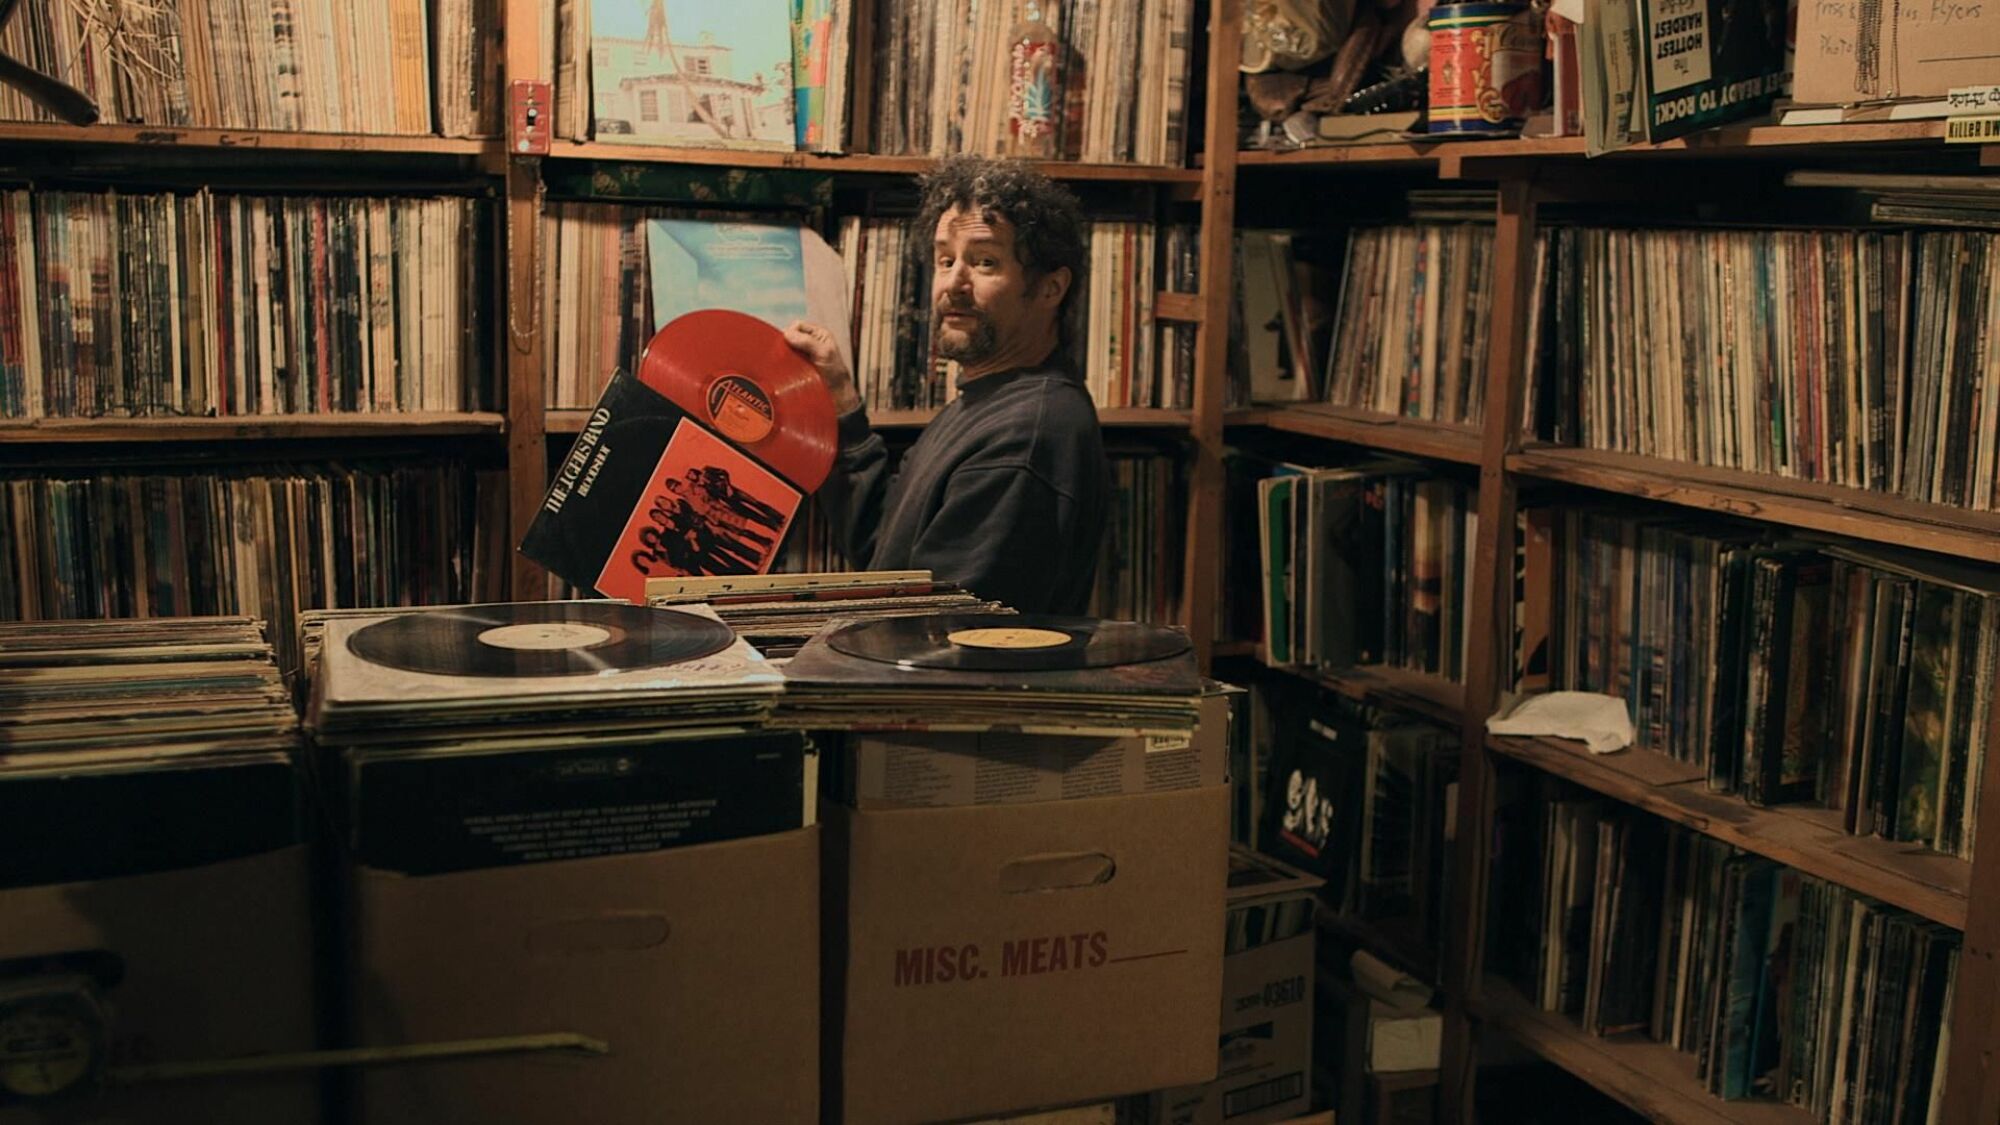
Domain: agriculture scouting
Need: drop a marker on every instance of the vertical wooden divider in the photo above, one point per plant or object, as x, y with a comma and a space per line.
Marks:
1491, 639
1972, 1073
1203, 573
526, 408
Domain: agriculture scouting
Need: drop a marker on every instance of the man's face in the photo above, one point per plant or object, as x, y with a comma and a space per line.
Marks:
979, 290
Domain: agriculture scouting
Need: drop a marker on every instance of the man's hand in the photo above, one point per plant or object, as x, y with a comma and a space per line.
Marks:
817, 346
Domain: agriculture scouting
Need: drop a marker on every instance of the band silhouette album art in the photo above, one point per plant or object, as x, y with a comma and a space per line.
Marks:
695, 467
709, 510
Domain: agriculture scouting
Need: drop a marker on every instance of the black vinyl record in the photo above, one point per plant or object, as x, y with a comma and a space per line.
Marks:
999, 642
539, 640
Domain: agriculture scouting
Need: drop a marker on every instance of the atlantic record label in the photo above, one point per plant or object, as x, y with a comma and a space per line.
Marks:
736, 375
990, 642
538, 640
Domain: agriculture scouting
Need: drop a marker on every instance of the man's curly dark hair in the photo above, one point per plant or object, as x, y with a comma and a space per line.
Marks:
1047, 219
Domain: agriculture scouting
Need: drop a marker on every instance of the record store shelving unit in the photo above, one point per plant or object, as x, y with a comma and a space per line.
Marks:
1650, 1078
1528, 174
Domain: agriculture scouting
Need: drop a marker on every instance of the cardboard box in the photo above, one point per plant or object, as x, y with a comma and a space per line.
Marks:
933, 770
214, 960
1263, 1074
1851, 52
698, 965
1000, 957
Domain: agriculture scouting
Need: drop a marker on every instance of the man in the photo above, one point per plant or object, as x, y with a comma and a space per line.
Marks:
1005, 491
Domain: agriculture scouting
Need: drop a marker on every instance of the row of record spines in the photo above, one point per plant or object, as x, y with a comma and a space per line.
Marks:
1396, 546
267, 542
1413, 317
1356, 795
1862, 358
329, 66
1127, 356
598, 307
943, 84
1139, 572
1787, 671
1781, 985
208, 303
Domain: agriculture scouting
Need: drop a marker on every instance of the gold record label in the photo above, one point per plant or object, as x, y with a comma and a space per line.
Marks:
1008, 638
550, 636
42, 1052
740, 409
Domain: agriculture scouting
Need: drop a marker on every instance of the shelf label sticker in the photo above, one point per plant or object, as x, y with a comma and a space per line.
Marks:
1972, 130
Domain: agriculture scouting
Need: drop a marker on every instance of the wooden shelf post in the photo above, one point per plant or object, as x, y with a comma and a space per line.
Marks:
527, 408
1490, 641
1203, 572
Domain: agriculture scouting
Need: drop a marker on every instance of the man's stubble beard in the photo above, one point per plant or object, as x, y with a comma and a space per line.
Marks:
979, 344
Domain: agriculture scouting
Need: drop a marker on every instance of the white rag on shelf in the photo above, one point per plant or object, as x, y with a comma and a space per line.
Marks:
1600, 722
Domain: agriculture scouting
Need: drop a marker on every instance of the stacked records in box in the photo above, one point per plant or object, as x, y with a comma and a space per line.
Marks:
976, 672
468, 737
533, 669
141, 745
778, 613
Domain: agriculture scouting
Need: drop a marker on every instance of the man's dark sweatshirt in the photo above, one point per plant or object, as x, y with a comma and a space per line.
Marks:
1003, 494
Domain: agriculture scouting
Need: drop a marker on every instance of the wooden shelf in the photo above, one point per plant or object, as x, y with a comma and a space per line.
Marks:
1112, 417
1736, 141
179, 137
272, 426
571, 421
1437, 699
1411, 436
1397, 942
849, 164
1871, 516
1651, 1078
1434, 698
1808, 838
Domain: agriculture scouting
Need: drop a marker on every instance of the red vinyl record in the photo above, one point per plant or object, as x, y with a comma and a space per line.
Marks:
737, 376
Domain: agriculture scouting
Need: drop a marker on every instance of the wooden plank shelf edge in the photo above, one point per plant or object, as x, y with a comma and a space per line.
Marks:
1432, 697
1116, 417
180, 136
1435, 440
299, 426
1871, 516
1650, 1078
850, 164
1736, 141
1808, 838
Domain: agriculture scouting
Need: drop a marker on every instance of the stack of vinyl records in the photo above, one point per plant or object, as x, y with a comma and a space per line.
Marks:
108, 727
460, 738
778, 613
980, 672
530, 670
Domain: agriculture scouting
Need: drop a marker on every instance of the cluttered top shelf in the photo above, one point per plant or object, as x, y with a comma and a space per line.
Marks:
1733, 141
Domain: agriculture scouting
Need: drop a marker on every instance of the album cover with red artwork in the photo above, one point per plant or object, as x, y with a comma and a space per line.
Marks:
648, 492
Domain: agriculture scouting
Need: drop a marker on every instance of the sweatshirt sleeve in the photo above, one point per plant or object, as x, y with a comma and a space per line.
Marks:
857, 489
997, 533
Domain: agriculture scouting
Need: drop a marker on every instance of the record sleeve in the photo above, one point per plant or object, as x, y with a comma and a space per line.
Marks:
349, 679
426, 814
1007, 642
822, 664
646, 492
548, 639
